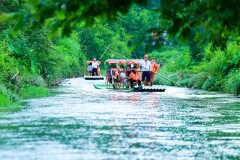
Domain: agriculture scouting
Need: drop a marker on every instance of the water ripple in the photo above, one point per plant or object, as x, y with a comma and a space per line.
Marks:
85, 123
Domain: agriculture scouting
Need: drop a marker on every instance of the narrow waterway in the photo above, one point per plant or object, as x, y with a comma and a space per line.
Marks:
85, 123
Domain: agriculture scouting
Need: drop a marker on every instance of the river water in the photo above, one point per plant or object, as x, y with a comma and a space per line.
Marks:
85, 123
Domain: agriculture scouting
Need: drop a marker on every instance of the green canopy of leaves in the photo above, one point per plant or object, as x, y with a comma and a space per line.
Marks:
219, 18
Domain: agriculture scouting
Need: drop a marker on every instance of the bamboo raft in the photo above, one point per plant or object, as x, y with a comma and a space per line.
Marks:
93, 77
154, 88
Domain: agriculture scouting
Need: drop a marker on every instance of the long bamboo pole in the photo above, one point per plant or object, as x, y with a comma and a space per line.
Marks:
105, 51
142, 66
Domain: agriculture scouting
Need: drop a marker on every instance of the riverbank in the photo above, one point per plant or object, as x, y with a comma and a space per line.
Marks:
217, 71
26, 93
26, 71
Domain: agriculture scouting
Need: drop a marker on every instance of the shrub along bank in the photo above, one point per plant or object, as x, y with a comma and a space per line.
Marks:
217, 71
31, 61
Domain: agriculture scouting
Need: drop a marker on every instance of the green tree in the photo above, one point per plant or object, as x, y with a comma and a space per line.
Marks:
94, 41
137, 24
220, 19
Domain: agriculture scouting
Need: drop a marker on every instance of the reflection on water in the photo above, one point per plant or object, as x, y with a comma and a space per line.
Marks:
86, 123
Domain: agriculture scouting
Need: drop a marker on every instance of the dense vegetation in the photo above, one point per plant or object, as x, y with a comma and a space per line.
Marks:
217, 71
41, 44
30, 59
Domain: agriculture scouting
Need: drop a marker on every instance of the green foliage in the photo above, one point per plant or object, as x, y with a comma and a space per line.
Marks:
177, 63
217, 65
219, 70
65, 59
95, 40
32, 80
232, 82
218, 18
8, 65
137, 23
9, 94
10, 6
4, 101
30, 58
174, 59
66, 14
34, 92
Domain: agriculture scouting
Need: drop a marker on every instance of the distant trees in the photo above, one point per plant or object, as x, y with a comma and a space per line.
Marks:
218, 18
138, 23
94, 40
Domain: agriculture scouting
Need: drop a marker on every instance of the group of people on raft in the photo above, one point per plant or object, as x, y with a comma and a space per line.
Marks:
140, 74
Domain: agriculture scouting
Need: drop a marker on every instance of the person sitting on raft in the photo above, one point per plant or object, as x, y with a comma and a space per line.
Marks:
127, 75
134, 77
111, 74
123, 76
153, 70
89, 69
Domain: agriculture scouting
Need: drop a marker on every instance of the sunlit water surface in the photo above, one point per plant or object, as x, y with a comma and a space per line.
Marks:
85, 123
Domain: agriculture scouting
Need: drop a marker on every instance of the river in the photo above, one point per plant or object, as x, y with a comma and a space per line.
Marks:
82, 122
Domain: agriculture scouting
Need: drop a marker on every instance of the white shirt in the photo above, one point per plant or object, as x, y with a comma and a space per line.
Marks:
146, 65
95, 64
123, 75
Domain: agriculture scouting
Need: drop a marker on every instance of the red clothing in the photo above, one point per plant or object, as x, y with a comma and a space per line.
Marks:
134, 76
154, 68
152, 76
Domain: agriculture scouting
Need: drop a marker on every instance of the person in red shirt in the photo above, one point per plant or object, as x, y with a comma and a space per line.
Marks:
153, 70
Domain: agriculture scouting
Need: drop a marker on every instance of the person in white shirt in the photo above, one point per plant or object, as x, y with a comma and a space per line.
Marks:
146, 66
95, 65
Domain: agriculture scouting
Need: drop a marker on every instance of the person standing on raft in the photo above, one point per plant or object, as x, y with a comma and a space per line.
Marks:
153, 70
95, 66
146, 66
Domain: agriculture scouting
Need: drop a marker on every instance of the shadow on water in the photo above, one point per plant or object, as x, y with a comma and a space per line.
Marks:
85, 123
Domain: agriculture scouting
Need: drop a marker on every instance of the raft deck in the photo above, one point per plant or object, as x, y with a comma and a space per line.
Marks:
154, 88
94, 77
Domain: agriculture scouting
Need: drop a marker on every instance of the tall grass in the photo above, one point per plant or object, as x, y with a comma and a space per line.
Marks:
218, 71
4, 101
232, 82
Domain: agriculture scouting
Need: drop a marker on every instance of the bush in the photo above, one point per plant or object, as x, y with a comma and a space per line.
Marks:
175, 59
8, 93
4, 101
232, 82
32, 80
65, 60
